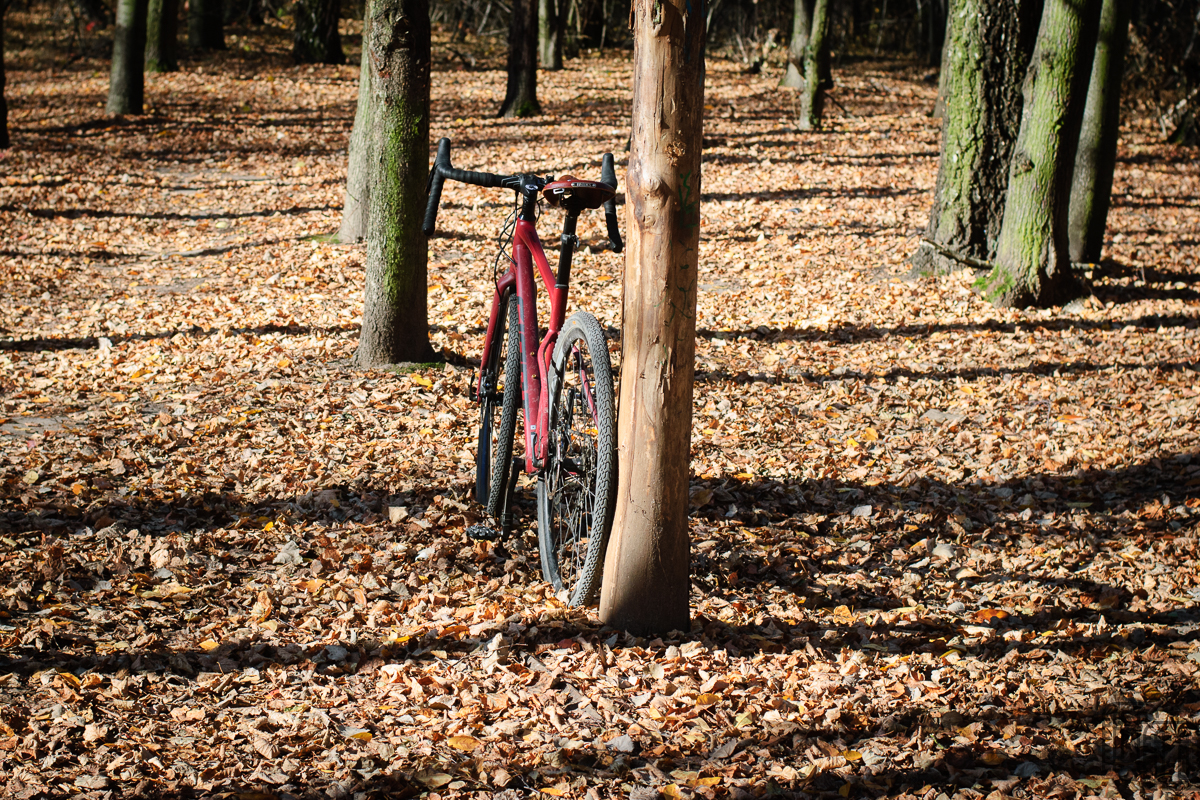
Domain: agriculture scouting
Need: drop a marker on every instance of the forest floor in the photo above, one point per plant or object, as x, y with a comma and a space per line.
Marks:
939, 549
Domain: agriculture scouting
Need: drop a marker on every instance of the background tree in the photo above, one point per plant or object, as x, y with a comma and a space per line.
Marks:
395, 326
816, 53
646, 582
126, 82
162, 32
520, 97
206, 25
316, 39
1032, 265
988, 47
358, 168
793, 77
552, 19
4, 140
1096, 157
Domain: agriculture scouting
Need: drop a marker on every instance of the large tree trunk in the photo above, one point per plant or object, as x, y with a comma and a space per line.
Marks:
520, 98
358, 168
162, 31
5, 142
987, 51
645, 587
816, 53
395, 325
1033, 265
793, 78
206, 25
315, 39
126, 81
1091, 182
551, 27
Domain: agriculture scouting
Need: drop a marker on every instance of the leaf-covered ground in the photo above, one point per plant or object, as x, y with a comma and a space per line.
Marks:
938, 549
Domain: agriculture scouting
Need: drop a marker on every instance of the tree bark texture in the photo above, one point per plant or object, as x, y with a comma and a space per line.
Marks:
551, 27
816, 51
645, 587
162, 32
793, 78
520, 98
1033, 265
126, 82
358, 169
395, 326
315, 39
1096, 156
5, 141
988, 47
206, 25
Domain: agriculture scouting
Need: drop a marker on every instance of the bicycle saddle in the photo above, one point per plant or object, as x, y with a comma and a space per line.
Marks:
575, 195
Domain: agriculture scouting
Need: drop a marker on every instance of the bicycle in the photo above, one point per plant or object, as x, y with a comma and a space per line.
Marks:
563, 382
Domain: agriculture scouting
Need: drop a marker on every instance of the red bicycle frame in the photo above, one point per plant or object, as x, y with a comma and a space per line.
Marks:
519, 282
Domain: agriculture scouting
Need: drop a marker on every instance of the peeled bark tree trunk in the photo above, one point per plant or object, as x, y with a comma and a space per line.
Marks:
988, 47
1033, 265
816, 52
793, 78
551, 27
395, 325
5, 142
126, 82
1096, 157
520, 98
316, 39
162, 30
646, 584
358, 169
206, 25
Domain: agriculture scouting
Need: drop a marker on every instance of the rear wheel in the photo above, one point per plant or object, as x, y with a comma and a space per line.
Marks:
577, 487
500, 397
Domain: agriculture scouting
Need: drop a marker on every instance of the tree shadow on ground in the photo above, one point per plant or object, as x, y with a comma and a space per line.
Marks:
93, 342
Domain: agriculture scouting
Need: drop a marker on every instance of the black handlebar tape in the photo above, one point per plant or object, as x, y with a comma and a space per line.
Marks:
436, 179
486, 179
608, 175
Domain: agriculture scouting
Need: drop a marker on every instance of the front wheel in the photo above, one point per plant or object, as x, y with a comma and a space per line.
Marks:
577, 487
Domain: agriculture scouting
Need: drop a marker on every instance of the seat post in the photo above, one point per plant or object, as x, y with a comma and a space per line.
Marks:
566, 249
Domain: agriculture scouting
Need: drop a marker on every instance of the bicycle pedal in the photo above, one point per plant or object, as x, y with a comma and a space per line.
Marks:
483, 532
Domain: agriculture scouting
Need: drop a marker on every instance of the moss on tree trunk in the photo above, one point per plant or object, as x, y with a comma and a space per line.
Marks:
987, 50
1096, 157
162, 31
645, 587
520, 96
816, 51
126, 83
395, 325
358, 168
315, 37
1032, 265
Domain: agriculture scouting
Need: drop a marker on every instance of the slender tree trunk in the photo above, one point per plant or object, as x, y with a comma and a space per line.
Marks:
126, 82
316, 39
816, 52
395, 325
646, 583
206, 25
551, 20
520, 98
937, 32
1033, 265
801, 23
358, 170
162, 32
1091, 182
987, 52
5, 142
